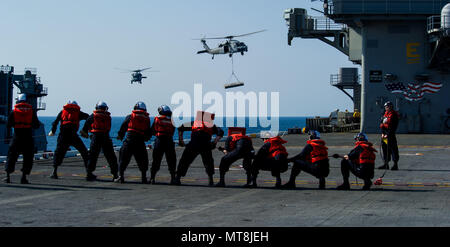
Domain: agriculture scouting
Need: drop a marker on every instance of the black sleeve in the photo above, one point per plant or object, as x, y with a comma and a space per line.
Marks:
183, 127
152, 129
55, 123
227, 143
10, 123
305, 152
263, 151
35, 122
354, 154
88, 124
148, 132
83, 116
124, 127
218, 131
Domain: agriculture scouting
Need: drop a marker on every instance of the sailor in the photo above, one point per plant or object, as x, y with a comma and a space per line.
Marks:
70, 118
388, 127
272, 156
203, 128
237, 146
163, 129
23, 119
137, 127
360, 161
99, 125
313, 160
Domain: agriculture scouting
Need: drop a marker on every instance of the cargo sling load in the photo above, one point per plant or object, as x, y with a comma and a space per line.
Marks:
403, 48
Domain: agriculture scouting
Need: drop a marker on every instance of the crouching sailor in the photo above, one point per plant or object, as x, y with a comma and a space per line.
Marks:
237, 146
360, 161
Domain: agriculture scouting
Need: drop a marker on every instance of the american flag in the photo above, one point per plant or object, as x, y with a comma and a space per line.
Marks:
414, 92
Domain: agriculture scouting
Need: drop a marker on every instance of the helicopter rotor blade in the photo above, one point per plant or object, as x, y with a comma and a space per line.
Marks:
140, 70
233, 36
250, 33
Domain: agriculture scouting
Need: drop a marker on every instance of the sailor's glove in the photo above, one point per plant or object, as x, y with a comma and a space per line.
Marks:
51, 133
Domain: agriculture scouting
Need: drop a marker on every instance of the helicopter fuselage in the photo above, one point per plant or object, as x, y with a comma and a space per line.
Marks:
228, 47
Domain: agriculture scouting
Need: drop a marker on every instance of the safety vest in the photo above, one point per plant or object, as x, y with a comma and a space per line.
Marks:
200, 126
387, 119
163, 126
139, 121
102, 122
235, 138
23, 115
367, 156
71, 115
276, 146
319, 151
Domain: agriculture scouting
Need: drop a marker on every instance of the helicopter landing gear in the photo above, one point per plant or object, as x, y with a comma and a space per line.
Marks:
212, 57
242, 53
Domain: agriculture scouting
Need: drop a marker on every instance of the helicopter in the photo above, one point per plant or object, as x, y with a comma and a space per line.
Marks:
136, 75
230, 46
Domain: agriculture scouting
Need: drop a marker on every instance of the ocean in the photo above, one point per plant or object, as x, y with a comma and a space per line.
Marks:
284, 123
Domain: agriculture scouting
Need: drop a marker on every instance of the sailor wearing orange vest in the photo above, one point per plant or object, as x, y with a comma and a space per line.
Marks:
163, 131
272, 156
360, 161
99, 125
23, 119
388, 127
237, 146
70, 118
313, 160
137, 127
203, 128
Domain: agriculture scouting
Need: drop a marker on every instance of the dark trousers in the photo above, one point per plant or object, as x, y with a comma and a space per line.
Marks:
18, 145
99, 142
164, 145
133, 146
192, 150
319, 169
390, 149
276, 165
233, 156
364, 171
65, 140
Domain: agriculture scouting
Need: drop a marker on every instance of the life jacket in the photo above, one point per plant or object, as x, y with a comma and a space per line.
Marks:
163, 126
235, 138
102, 122
139, 121
276, 146
70, 115
319, 151
387, 119
367, 156
23, 115
201, 126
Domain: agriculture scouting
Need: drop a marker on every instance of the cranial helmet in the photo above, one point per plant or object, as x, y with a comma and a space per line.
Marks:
101, 105
140, 106
73, 102
164, 110
314, 134
388, 103
361, 137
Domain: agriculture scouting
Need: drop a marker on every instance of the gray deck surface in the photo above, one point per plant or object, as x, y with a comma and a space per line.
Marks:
416, 195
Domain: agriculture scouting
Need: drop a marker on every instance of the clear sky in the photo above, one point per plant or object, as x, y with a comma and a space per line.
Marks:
75, 46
